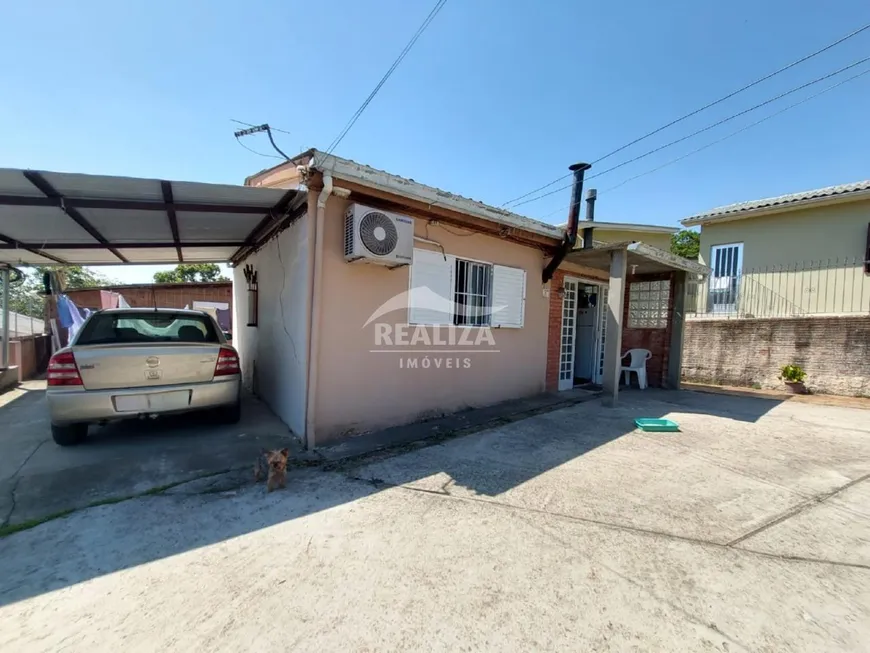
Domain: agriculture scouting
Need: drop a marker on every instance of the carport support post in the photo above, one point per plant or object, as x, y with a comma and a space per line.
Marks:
678, 322
4, 354
613, 342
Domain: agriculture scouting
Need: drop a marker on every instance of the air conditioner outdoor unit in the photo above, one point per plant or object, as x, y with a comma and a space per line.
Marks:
375, 236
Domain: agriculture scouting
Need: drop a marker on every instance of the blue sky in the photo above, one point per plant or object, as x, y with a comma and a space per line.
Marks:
497, 97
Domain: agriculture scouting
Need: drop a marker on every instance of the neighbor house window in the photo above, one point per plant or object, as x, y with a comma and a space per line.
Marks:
648, 304
472, 292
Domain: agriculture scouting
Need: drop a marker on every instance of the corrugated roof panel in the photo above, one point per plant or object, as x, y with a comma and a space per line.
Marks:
216, 226
12, 182
151, 255
196, 193
72, 184
208, 254
23, 257
39, 224
130, 226
86, 256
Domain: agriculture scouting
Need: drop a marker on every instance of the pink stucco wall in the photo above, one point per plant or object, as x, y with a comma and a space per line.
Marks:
358, 390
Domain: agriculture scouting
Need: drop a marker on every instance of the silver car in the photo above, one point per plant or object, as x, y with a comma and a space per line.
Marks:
137, 362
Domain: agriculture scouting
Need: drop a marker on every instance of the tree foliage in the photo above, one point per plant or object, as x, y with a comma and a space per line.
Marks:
686, 243
191, 273
26, 296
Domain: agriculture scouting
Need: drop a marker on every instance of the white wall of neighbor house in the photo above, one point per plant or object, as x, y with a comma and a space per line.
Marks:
274, 354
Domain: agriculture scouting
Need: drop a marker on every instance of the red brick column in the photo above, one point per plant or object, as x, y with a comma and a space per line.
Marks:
657, 341
554, 331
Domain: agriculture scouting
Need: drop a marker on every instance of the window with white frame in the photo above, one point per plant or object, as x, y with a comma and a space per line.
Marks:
648, 304
450, 290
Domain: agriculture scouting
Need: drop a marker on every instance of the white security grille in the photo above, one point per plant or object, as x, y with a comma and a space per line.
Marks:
725, 280
569, 322
473, 294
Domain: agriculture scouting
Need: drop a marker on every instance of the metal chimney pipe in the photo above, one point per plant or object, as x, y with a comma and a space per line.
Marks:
579, 169
591, 196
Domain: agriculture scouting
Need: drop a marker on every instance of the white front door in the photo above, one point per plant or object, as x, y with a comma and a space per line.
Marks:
568, 335
727, 264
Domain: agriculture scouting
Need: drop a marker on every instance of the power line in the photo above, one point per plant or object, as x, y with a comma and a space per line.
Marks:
739, 90
703, 108
270, 156
724, 138
438, 5
739, 131
702, 130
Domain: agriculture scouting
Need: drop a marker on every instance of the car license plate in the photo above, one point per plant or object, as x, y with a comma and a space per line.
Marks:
154, 402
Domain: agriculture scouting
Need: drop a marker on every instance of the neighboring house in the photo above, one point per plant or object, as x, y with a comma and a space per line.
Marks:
618, 232
337, 347
800, 254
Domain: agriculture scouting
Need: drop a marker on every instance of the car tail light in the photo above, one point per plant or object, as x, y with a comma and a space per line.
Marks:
62, 370
227, 362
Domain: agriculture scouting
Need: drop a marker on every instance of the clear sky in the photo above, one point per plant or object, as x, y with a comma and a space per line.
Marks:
496, 98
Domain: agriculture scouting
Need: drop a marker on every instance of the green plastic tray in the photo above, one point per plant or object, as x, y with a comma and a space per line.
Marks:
656, 424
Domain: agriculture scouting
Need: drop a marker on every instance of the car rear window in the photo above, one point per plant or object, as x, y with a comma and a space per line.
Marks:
145, 327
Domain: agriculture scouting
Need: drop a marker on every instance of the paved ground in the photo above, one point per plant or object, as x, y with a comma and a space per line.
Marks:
39, 478
747, 531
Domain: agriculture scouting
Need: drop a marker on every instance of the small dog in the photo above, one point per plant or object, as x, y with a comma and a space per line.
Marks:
271, 466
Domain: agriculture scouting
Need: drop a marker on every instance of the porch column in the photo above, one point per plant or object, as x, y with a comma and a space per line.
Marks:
613, 342
678, 321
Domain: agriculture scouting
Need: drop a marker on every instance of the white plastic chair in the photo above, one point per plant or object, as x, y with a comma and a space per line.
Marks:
639, 357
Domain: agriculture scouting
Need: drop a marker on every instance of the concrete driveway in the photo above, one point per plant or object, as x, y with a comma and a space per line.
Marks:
122, 459
747, 531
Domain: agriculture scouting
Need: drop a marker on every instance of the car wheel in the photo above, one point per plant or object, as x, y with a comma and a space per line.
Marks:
230, 414
69, 434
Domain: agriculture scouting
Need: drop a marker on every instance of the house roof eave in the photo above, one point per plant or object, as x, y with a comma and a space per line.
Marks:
782, 204
406, 188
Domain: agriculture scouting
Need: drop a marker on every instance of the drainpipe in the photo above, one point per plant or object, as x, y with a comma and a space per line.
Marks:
314, 323
591, 196
570, 238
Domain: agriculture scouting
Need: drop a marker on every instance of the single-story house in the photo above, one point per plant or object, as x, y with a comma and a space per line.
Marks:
803, 253
379, 300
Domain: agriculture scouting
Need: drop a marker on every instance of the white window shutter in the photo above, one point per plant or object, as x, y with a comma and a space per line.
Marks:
431, 297
508, 296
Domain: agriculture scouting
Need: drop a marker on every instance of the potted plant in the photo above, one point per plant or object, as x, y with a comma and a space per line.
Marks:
794, 376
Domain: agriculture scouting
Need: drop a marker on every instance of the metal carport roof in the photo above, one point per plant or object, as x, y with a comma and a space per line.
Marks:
69, 218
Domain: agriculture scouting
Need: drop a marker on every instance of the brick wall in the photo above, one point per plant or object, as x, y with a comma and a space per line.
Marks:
834, 351
658, 341
30, 354
162, 295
